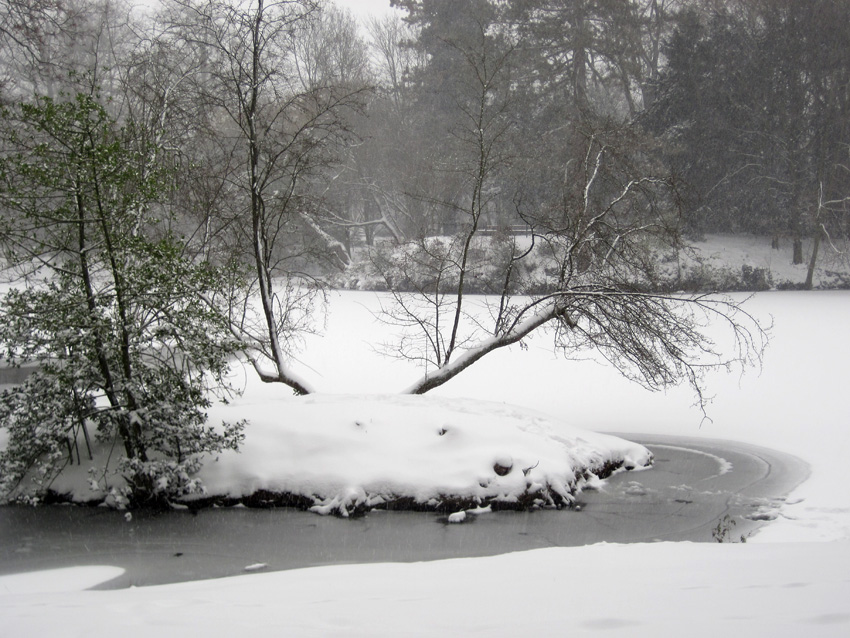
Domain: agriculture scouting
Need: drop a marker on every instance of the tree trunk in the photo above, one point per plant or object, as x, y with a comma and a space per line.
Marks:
798, 251
449, 370
810, 275
133, 446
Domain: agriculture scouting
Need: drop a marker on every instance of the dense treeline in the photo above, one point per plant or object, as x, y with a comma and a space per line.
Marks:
350, 130
752, 108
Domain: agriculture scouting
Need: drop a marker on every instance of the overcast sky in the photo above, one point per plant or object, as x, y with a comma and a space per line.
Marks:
365, 7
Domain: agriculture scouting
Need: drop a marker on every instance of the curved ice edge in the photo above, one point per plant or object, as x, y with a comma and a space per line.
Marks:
724, 465
51, 581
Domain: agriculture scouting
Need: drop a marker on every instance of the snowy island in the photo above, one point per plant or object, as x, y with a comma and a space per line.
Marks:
343, 455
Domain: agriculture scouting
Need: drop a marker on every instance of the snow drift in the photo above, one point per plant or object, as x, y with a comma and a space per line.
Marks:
338, 454
343, 454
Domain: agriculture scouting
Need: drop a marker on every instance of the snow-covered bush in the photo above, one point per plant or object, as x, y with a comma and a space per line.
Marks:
108, 305
42, 422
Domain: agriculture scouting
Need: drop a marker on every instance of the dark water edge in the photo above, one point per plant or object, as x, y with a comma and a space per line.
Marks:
682, 498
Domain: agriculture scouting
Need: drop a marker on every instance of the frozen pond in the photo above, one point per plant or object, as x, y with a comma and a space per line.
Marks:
694, 484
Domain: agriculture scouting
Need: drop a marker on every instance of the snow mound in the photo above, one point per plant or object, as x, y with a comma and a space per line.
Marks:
339, 454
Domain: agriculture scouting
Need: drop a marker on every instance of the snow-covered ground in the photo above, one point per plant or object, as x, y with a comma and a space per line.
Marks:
349, 452
726, 255
666, 589
793, 577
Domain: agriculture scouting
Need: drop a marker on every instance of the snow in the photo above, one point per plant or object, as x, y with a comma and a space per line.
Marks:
255, 567
665, 589
346, 453
57, 580
792, 578
730, 253
724, 466
457, 517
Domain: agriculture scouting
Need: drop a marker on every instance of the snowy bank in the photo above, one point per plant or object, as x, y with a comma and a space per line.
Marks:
702, 590
340, 454
349, 453
784, 582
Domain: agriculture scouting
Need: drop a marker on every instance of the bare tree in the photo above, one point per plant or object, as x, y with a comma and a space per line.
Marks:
396, 62
371, 184
51, 47
334, 51
283, 119
605, 241
597, 211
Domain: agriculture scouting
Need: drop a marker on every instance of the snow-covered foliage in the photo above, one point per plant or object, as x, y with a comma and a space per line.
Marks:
430, 264
108, 307
749, 263
711, 263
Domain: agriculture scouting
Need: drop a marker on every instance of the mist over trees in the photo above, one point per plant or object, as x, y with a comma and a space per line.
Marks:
361, 129
549, 154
